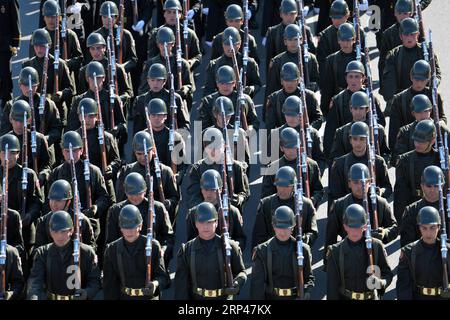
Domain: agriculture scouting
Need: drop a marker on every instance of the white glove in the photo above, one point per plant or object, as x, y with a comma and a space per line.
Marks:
263, 41
139, 26
363, 6
249, 14
305, 11
76, 8
205, 11
316, 10
209, 43
190, 14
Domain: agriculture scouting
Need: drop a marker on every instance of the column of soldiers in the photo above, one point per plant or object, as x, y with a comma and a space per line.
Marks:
83, 218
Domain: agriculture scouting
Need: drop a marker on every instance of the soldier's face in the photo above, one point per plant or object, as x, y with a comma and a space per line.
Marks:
171, 16
292, 121
215, 155
418, 85
284, 193
131, 235
61, 238
358, 145
90, 119
400, 16
26, 90
235, 23
50, 22
76, 154
337, 22
17, 126
227, 49
57, 205
354, 81
156, 85
97, 51
209, 195
39, 50
346, 45
226, 89
157, 120
100, 81
282, 234
291, 44
423, 147
430, 192
354, 234
219, 120
289, 153
359, 114
288, 18
140, 157
290, 85
357, 188
429, 233
424, 115
12, 157
169, 48
409, 40
136, 199
206, 230
108, 22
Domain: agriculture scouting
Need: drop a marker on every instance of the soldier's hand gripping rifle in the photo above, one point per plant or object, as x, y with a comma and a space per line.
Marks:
43, 90
299, 221
227, 158
368, 233
119, 33
156, 161
186, 30
57, 54
443, 236
3, 226
302, 157
64, 29
151, 214
24, 165
304, 45
223, 216
86, 172
136, 15
112, 76
304, 118
100, 126
76, 223
357, 27
245, 48
33, 125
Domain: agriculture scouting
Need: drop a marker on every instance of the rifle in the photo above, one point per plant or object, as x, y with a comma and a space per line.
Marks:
443, 236
76, 222
56, 52
186, 30
24, 165
223, 216
119, 34
87, 174
3, 227
245, 49
178, 50
368, 232
155, 158
43, 90
101, 126
151, 213
373, 183
33, 126
135, 12
304, 118
64, 29
227, 159
356, 26
112, 75
305, 47
418, 17
302, 156
299, 220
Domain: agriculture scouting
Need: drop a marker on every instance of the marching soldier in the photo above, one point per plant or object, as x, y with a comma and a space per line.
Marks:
52, 125
338, 176
359, 108
288, 145
200, 262
420, 268
14, 281
215, 153
156, 81
9, 45
290, 80
401, 103
14, 236
126, 262
348, 262
209, 191
291, 33
60, 198
96, 45
410, 167
136, 189
253, 78
193, 56
274, 268
285, 181
399, 61
167, 191
40, 40
54, 266
166, 38
338, 112
410, 231
359, 183
273, 38
226, 87
234, 17
421, 110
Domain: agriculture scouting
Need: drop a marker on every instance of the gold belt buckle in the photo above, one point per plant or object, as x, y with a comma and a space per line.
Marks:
136, 292
210, 293
357, 296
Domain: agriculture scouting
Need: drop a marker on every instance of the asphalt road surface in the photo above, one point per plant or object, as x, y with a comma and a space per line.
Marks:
435, 17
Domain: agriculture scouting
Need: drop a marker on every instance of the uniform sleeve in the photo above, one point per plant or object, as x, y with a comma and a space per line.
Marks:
386, 272
15, 274
159, 272
164, 230
315, 184
182, 283
333, 277
102, 199
75, 53
401, 189
332, 228
35, 198
195, 54
257, 279
93, 283
130, 56
67, 83
338, 146
210, 84
404, 286
389, 223
260, 232
238, 233
383, 178
314, 113
253, 78
55, 124
310, 229
408, 227
15, 24
237, 265
395, 123
5, 125
308, 276
193, 189
111, 279
389, 77
205, 114
36, 280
